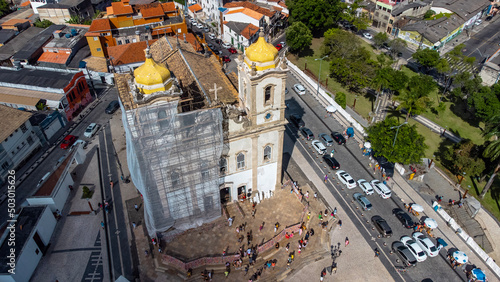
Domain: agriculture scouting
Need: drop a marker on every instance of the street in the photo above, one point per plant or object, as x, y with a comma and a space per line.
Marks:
357, 166
484, 43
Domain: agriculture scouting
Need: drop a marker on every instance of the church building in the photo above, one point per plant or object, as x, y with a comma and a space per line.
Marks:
198, 138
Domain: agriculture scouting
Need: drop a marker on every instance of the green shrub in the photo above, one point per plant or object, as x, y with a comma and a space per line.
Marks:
87, 193
340, 98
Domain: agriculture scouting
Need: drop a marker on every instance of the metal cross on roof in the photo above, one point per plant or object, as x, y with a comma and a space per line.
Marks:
215, 90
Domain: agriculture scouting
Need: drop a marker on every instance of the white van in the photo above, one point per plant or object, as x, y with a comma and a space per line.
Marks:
381, 189
319, 147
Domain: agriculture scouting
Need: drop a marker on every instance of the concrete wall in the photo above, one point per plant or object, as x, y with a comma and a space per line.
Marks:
273, 107
242, 18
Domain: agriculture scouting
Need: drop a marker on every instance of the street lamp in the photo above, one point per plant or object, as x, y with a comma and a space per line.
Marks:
397, 130
319, 75
461, 179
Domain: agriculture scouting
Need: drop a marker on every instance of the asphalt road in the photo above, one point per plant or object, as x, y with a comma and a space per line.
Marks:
484, 43
356, 165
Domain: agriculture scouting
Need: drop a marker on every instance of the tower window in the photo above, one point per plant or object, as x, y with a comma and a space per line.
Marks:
223, 166
240, 160
175, 178
267, 95
267, 153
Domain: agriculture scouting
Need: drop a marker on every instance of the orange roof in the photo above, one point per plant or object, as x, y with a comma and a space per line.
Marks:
169, 7
25, 4
282, 4
13, 22
57, 58
120, 9
92, 34
162, 31
249, 30
109, 10
195, 8
153, 10
248, 12
251, 6
279, 9
128, 53
100, 25
192, 39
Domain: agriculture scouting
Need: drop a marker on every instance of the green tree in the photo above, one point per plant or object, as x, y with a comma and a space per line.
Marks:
4, 7
340, 98
397, 46
464, 157
380, 38
409, 146
492, 151
351, 14
426, 57
339, 43
484, 103
43, 24
317, 15
415, 98
398, 81
429, 14
74, 20
443, 68
298, 37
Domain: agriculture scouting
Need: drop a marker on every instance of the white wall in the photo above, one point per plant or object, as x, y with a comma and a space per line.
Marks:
17, 139
54, 126
240, 17
276, 103
267, 179
237, 180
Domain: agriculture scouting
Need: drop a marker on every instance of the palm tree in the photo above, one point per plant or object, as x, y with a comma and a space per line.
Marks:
492, 151
413, 103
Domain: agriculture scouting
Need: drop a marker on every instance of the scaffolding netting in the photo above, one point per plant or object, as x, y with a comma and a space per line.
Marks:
173, 160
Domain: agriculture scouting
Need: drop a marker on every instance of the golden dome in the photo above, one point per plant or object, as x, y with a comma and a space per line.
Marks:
151, 77
262, 53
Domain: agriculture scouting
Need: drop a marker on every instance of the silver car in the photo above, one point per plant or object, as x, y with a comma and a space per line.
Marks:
363, 201
299, 89
326, 139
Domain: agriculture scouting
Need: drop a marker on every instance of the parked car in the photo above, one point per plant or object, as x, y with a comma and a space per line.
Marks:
363, 201
382, 226
206, 29
211, 36
199, 25
365, 186
338, 137
225, 59
331, 162
297, 121
218, 41
307, 133
68, 141
299, 89
478, 22
345, 178
403, 217
217, 51
112, 107
232, 50
43, 179
211, 46
414, 248
85, 143
386, 46
425, 244
226, 45
91, 130
326, 139
319, 147
404, 254
279, 47
367, 35
283, 44
385, 164
381, 189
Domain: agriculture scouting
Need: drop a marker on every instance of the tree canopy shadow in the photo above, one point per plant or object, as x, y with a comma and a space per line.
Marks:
459, 108
307, 52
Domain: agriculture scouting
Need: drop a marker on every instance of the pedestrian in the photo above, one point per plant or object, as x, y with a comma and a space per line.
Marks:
276, 226
377, 253
287, 247
320, 216
146, 253
307, 195
312, 232
246, 269
253, 213
136, 207
273, 263
450, 202
340, 224
335, 212
210, 274
315, 196
346, 241
326, 213
277, 245
307, 236
261, 227
134, 224
308, 215
460, 204
102, 224
111, 184
326, 178
331, 154
58, 212
159, 249
230, 220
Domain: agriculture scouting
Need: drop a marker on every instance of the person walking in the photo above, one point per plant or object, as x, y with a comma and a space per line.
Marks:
230, 221
136, 207
326, 178
261, 227
315, 196
134, 224
346, 241
377, 253
307, 195
340, 224
276, 226
320, 216
335, 212
102, 224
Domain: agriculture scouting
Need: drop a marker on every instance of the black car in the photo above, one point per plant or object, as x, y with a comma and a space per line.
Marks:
218, 41
338, 137
382, 226
307, 133
211, 46
297, 121
404, 254
403, 217
331, 162
385, 164
112, 107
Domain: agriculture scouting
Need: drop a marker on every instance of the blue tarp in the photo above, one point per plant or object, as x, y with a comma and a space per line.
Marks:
479, 274
350, 132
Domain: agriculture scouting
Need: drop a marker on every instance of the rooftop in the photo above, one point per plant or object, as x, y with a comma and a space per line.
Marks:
121, 9
14, 22
141, 2
63, 4
465, 9
40, 78
100, 25
249, 12
6, 35
17, 43
36, 43
237, 27
61, 41
435, 30
26, 222
397, 10
18, 100
195, 8
56, 58
26, 96
249, 31
11, 119
251, 6
128, 53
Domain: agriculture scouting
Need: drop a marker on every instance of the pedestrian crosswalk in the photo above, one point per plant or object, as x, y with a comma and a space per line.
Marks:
461, 66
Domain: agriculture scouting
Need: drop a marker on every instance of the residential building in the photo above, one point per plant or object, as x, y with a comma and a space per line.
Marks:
64, 91
242, 11
16, 44
33, 229
6, 35
196, 12
16, 24
127, 24
33, 48
18, 141
211, 12
490, 70
127, 57
198, 139
46, 125
60, 12
239, 34
59, 51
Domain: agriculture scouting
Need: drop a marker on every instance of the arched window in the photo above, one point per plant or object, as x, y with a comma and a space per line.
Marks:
175, 178
267, 153
240, 160
267, 95
223, 166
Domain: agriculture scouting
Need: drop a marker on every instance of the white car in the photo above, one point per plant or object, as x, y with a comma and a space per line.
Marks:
43, 179
426, 244
299, 89
345, 178
319, 147
91, 130
478, 22
365, 186
226, 45
211, 36
414, 248
367, 35
381, 189
199, 25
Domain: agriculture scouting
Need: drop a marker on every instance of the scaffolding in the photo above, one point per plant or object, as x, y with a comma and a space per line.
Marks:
174, 163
